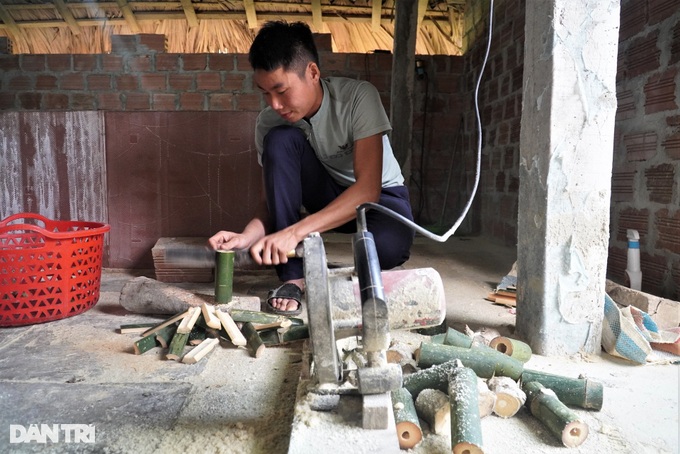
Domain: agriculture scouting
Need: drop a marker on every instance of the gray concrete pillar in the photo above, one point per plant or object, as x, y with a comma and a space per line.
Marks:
566, 142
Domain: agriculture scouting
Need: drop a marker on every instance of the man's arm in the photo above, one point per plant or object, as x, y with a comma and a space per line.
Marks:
368, 157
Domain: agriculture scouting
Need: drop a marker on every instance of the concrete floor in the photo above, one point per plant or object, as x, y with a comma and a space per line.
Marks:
81, 371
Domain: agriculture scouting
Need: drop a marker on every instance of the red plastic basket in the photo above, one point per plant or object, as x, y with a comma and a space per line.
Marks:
49, 269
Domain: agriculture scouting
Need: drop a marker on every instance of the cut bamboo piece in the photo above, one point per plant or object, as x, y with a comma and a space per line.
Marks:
512, 347
170, 321
435, 377
189, 320
406, 419
486, 362
557, 417
231, 329
264, 326
466, 426
255, 317
176, 349
164, 336
197, 335
224, 276
255, 344
198, 352
135, 328
433, 407
145, 344
487, 398
581, 392
509, 396
456, 338
208, 311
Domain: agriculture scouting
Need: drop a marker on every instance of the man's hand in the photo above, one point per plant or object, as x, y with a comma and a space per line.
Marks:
227, 241
274, 249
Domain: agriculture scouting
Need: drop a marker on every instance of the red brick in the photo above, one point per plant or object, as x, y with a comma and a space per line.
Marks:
654, 269
660, 10
126, 82
675, 45
72, 81
631, 218
137, 101
84, 62
20, 82
672, 146
192, 101
221, 62
139, 63
660, 92
164, 101
622, 185
7, 101
234, 82
59, 62
83, 101
194, 62
208, 81
641, 146
673, 120
45, 82
33, 62
660, 183
153, 82
9, 62
151, 42
55, 101
625, 104
249, 102
642, 55
167, 62
633, 18
220, 101
112, 62
181, 81
109, 101
30, 101
99, 82
242, 63
123, 44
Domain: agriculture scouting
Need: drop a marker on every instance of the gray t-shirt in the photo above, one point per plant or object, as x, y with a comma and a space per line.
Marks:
350, 110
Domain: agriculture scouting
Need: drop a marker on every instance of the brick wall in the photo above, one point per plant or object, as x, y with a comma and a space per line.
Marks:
646, 168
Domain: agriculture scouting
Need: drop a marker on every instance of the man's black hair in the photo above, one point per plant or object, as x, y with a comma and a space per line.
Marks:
280, 44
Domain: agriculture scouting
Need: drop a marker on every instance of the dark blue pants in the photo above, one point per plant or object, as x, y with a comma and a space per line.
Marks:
294, 177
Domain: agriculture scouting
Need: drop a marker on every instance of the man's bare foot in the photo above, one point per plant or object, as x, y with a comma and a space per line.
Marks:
288, 304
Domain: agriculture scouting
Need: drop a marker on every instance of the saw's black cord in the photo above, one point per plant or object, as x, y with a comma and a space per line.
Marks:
361, 209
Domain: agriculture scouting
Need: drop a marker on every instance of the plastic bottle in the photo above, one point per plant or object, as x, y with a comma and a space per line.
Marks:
633, 272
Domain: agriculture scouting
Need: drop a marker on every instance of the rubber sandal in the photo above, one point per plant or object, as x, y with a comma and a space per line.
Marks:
287, 291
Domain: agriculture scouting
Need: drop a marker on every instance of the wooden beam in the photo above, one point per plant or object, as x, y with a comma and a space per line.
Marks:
317, 18
422, 9
376, 15
251, 14
10, 24
129, 15
190, 13
68, 16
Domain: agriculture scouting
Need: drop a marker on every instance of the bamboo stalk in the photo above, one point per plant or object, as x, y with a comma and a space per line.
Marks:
255, 317
135, 328
409, 432
512, 347
557, 417
176, 349
224, 276
253, 339
486, 362
163, 324
580, 392
466, 426
164, 336
145, 344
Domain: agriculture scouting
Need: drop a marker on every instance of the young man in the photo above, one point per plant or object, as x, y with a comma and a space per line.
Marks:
323, 146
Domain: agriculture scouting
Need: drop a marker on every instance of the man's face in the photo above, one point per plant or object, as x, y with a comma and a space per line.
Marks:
291, 95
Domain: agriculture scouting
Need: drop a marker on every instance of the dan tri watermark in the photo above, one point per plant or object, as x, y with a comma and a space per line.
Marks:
52, 433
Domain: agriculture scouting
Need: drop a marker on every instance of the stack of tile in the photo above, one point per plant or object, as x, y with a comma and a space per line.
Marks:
170, 272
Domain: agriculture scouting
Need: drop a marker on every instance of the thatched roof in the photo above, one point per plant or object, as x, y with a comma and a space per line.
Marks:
85, 26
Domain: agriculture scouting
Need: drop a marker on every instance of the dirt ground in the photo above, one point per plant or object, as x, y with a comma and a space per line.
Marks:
80, 370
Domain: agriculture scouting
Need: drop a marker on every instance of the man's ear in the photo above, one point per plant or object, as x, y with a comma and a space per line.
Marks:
313, 71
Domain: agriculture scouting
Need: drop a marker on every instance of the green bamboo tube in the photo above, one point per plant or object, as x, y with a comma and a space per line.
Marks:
409, 432
176, 349
224, 276
457, 339
242, 316
466, 424
255, 343
435, 377
580, 392
512, 347
486, 362
557, 417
